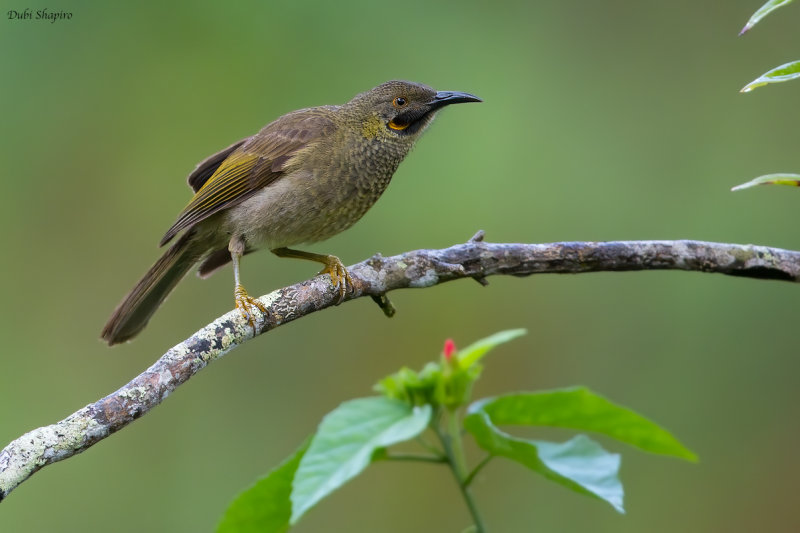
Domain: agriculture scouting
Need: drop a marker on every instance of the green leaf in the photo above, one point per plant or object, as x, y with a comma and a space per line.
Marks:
762, 12
344, 444
580, 408
475, 351
579, 464
786, 72
771, 179
265, 507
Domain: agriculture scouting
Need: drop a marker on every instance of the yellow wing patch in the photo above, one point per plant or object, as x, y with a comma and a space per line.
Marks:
230, 183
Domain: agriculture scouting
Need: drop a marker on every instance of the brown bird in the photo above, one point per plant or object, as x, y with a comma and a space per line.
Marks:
303, 178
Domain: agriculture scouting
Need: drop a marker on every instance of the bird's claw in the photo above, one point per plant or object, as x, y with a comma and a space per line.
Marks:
340, 277
246, 304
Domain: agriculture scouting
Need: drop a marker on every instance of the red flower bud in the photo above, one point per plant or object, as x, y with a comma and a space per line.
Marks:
449, 349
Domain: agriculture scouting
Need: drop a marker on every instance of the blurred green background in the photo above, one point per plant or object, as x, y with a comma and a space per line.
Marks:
602, 121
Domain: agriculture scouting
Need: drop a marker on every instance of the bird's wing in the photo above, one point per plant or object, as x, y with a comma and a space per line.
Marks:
206, 168
249, 166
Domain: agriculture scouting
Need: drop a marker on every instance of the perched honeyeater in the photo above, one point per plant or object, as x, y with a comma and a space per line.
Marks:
303, 178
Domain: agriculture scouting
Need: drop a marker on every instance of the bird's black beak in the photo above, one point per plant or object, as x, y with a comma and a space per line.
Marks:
418, 117
444, 98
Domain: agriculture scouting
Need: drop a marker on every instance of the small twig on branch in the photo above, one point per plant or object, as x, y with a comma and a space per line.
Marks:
374, 277
385, 304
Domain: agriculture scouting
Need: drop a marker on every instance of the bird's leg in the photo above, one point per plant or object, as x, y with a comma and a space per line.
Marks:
340, 278
244, 302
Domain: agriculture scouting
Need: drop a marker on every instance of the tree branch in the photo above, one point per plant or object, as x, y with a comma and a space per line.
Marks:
374, 277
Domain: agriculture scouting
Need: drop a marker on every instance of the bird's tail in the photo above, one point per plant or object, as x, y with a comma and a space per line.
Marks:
131, 315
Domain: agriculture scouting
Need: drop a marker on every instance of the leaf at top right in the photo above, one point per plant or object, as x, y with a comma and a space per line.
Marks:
762, 12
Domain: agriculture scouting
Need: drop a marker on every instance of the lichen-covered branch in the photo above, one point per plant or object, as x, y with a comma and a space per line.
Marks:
374, 277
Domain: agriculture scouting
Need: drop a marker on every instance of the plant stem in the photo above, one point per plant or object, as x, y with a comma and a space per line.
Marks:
454, 450
456, 445
471, 476
428, 446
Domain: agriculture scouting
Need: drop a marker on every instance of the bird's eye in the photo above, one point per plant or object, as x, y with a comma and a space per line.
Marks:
399, 101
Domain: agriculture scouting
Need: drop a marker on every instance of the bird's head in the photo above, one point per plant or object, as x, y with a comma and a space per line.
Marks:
403, 108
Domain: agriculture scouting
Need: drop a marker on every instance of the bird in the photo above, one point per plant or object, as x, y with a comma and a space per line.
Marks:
305, 177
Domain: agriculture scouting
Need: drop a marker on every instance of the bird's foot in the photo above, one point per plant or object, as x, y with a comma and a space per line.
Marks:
340, 277
247, 305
